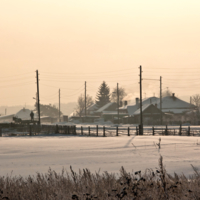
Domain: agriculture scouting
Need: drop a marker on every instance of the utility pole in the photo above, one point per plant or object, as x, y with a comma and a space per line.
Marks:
85, 99
118, 102
59, 105
38, 97
161, 100
141, 118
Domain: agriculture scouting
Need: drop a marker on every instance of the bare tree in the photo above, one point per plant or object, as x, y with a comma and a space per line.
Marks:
81, 104
195, 99
122, 94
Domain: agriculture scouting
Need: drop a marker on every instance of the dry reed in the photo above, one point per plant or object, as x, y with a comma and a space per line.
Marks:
84, 185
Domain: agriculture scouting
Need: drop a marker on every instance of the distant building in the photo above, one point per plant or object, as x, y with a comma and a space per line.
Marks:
6, 118
92, 109
174, 111
24, 115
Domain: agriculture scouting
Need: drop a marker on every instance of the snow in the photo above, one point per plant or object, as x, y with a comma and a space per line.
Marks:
28, 155
144, 107
170, 102
104, 107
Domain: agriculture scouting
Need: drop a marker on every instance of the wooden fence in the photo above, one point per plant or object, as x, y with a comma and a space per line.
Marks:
128, 131
16, 129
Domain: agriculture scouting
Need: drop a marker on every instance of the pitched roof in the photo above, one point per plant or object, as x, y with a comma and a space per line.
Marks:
150, 100
105, 107
93, 107
123, 107
24, 114
131, 109
169, 104
172, 102
144, 107
7, 116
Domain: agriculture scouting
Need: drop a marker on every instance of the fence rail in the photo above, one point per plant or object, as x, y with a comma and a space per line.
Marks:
103, 131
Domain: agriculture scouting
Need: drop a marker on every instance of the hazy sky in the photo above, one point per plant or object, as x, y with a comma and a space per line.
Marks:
73, 41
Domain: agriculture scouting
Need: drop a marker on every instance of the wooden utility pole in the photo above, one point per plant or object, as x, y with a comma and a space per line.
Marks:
85, 99
59, 105
118, 102
141, 118
161, 100
38, 97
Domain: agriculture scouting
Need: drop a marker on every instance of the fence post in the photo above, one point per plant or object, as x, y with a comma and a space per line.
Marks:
180, 132
97, 130
89, 130
117, 131
30, 130
166, 133
104, 131
0, 132
41, 128
57, 131
153, 130
188, 130
128, 131
136, 130
81, 130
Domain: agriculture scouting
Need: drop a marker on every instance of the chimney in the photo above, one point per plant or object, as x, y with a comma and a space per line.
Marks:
125, 103
120, 104
137, 102
173, 94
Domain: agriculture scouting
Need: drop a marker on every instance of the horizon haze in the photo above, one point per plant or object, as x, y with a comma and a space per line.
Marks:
70, 42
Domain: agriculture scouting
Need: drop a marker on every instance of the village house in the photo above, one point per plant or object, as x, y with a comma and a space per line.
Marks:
174, 111
108, 112
24, 115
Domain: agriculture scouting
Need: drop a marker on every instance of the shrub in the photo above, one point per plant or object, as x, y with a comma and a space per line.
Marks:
84, 185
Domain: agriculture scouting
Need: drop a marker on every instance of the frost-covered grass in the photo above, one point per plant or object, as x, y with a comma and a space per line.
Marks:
84, 185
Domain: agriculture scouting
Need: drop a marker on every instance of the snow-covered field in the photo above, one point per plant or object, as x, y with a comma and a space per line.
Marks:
28, 155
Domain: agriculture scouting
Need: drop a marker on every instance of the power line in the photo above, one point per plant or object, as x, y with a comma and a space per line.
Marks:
91, 73
59, 87
17, 75
17, 85
24, 78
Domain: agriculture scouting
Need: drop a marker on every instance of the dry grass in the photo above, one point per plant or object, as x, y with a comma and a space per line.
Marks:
87, 186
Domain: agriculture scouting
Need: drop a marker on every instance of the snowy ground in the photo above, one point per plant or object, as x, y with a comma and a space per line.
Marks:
27, 155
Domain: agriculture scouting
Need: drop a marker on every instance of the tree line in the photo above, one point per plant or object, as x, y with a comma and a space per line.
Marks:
103, 97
